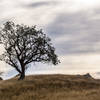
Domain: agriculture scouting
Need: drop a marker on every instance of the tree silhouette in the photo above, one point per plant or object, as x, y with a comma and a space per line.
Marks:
25, 44
0, 75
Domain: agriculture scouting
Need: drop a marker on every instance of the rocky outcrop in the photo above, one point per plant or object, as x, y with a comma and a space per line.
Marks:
87, 75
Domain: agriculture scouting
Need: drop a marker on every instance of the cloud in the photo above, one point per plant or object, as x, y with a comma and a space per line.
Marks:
76, 33
23, 11
41, 3
98, 73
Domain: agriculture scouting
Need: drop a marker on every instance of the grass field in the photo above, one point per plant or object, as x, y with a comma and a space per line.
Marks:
50, 87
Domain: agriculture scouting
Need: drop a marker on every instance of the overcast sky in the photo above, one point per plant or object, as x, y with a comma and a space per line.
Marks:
73, 26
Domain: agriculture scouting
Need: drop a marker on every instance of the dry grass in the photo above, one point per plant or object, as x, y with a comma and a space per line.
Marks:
51, 87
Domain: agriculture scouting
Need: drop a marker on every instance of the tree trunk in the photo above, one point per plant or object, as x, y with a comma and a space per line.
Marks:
22, 75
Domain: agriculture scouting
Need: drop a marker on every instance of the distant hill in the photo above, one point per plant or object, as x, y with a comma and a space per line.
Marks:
87, 75
51, 87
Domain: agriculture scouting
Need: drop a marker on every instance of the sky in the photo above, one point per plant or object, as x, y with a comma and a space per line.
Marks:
73, 26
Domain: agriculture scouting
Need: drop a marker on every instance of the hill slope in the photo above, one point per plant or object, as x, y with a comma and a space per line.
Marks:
51, 87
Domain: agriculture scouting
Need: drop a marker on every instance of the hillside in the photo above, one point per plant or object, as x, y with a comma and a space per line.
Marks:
51, 87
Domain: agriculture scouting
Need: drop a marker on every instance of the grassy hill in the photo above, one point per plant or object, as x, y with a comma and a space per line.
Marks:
51, 87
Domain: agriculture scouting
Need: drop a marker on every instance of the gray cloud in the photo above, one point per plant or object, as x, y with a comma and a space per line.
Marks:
40, 3
98, 73
81, 31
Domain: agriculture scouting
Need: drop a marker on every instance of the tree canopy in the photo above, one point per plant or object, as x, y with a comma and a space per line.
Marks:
25, 44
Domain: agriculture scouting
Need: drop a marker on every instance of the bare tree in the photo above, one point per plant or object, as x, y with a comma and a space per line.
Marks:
23, 45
